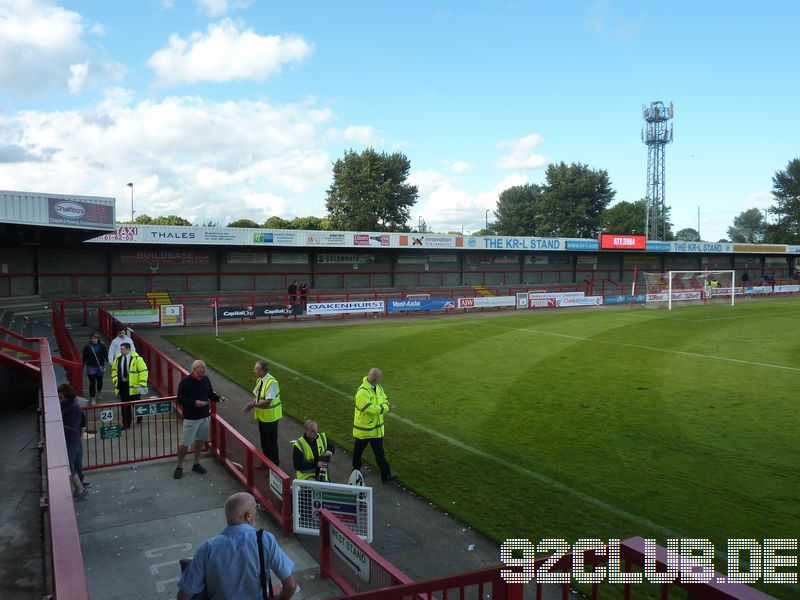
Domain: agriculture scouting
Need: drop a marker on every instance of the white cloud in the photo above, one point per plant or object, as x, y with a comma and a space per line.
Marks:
226, 53
77, 79
42, 46
521, 153
216, 8
186, 155
445, 207
459, 166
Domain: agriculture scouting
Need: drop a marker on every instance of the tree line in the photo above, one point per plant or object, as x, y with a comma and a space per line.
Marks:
370, 192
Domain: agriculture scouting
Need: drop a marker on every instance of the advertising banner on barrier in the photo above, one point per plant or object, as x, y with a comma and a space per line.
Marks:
786, 288
538, 295
487, 302
421, 305
758, 289
579, 301
624, 299
136, 315
257, 311
663, 297
340, 308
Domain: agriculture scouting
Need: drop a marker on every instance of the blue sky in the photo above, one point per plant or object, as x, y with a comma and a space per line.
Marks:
219, 109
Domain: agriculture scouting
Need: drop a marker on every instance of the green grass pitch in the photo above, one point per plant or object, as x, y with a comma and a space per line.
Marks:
574, 424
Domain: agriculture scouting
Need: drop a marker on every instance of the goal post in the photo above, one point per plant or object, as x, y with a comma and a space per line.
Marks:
679, 287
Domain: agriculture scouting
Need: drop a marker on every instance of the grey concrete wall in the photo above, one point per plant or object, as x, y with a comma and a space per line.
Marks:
91, 262
17, 260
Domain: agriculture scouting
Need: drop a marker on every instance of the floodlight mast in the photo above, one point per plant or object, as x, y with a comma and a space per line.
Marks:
656, 133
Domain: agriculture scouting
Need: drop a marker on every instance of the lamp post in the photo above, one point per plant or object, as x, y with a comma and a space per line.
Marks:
486, 229
130, 185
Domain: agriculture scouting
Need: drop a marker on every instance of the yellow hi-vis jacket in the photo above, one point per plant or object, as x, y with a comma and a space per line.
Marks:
273, 412
371, 405
137, 373
308, 454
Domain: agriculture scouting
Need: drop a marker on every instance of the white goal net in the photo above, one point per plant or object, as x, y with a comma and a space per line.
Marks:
673, 288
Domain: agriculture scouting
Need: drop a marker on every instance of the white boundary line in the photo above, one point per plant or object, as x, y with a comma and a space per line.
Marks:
641, 347
561, 487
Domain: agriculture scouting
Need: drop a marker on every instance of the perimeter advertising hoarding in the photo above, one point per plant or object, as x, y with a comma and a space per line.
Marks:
340, 308
421, 305
487, 302
257, 311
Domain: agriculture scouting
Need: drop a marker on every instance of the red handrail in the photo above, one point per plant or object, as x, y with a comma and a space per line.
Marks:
69, 577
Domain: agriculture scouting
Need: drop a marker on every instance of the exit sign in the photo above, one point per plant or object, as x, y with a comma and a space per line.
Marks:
614, 241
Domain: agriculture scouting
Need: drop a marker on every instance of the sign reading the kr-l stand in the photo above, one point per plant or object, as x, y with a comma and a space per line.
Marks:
153, 408
613, 241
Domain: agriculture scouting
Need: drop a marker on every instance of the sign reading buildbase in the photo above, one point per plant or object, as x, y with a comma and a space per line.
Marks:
339, 308
421, 305
487, 302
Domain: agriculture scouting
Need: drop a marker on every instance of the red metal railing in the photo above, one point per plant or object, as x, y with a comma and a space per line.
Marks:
235, 452
69, 577
334, 534
73, 368
157, 436
69, 352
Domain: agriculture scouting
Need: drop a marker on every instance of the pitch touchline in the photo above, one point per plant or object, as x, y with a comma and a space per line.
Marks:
640, 347
621, 512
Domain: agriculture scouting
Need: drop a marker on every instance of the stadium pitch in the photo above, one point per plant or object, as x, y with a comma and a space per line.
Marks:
573, 424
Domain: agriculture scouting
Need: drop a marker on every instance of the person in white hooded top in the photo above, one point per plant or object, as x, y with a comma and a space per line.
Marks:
113, 348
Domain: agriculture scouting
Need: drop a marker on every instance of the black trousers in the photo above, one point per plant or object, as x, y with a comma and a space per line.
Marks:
377, 448
95, 384
269, 440
126, 396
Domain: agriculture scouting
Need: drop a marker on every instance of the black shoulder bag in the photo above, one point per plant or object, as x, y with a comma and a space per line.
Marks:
265, 577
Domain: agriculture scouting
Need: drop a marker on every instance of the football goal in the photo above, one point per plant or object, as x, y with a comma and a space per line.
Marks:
673, 288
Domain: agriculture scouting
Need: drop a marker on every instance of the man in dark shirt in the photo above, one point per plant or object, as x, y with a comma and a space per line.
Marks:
312, 454
72, 418
195, 395
292, 291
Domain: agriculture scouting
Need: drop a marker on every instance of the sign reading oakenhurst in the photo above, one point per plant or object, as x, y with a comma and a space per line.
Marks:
338, 308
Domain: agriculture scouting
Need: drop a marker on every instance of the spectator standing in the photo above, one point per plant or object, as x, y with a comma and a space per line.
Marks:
113, 347
292, 291
368, 422
95, 358
312, 453
745, 279
195, 395
129, 374
267, 411
304, 295
236, 563
72, 417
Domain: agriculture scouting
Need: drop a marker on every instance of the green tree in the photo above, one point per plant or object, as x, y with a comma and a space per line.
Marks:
573, 201
516, 210
144, 219
625, 217
369, 192
749, 227
276, 222
687, 235
786, 192
244, 223
309, 223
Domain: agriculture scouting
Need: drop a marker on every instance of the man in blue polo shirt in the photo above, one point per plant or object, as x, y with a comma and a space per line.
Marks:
226, 567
